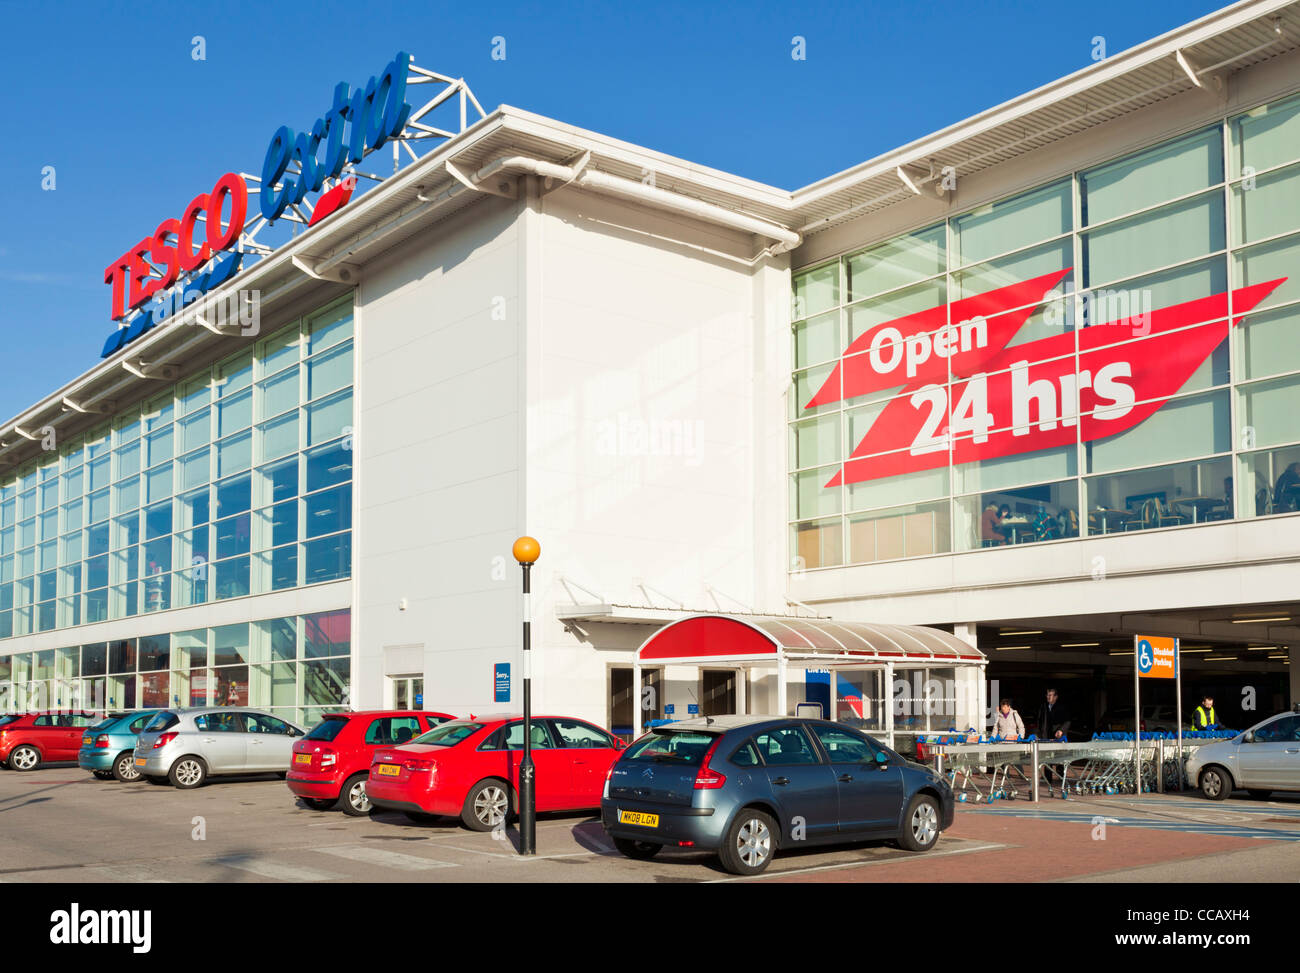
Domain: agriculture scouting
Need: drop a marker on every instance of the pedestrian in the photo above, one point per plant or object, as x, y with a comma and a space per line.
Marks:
990, 524
1286, 492
1008, 725
1204, 718
1053, 727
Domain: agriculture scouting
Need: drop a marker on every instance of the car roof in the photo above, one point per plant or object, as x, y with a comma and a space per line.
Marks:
731, 721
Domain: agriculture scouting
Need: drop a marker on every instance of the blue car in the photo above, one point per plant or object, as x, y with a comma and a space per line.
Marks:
108, 747
746, 786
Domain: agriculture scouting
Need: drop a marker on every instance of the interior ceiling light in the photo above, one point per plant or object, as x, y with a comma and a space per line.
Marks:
1077, 645
1037, 631
1252, 621
1011, 648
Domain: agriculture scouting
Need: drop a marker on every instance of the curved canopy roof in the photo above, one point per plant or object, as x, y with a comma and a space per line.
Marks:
766, 640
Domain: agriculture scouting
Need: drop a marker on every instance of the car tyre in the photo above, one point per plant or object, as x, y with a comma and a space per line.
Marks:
1260, 795
352, 799
749, 844
25, 758
1216, 783
488, 805
188, 772
640, 850
318, 803
921, 824
124, 768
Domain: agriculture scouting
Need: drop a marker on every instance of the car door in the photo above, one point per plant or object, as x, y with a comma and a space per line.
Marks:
870, 793
552, 775
221, 741
1272, 757
801, 783
270, 742
73, 730
590, 751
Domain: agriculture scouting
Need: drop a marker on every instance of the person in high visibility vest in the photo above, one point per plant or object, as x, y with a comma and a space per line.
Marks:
1204, 717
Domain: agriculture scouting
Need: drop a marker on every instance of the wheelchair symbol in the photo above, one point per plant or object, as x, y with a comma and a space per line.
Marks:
1144, 656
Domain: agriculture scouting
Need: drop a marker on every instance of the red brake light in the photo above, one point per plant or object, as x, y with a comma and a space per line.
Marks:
163, 740
708, 779
101, 741
418, 765
328, 757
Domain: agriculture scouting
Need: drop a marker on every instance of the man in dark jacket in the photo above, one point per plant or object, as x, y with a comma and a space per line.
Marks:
1053, 725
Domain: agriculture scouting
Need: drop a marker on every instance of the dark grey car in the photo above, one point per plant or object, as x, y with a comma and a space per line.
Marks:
746, 786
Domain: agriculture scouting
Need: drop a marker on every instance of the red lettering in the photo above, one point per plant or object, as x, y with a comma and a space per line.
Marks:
233, 186
139, 273
115, 274
189, 260
164, 253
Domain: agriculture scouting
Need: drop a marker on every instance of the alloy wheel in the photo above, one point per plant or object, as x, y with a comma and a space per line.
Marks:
490, 806
126, 768
1212, 784
925, 823
357, 797
189, 773
753, 843
24, 758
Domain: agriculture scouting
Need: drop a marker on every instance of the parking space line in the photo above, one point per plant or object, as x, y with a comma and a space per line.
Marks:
283, 873
369, 855
858, 864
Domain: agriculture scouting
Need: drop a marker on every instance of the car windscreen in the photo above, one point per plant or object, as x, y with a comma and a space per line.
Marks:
7, 718
447, 734
104, 724
327, 729
685, 747
162, 721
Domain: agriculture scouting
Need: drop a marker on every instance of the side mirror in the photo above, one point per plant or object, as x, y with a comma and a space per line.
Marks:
1248, 736
882, 759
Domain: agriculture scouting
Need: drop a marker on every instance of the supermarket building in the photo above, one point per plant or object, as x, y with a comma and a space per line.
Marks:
1030, 380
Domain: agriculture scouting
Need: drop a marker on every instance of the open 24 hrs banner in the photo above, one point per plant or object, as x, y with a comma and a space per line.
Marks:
966, 396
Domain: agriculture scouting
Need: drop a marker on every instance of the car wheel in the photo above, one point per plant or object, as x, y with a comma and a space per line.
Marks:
1260, 795
640, 850
920, 824
25, 758
419, 817
487, 805
317, 804
124, 768
102, 774
353, 800
188, 773
749, 844
1215, 783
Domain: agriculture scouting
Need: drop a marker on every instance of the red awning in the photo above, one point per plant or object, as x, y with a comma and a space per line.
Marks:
763, 640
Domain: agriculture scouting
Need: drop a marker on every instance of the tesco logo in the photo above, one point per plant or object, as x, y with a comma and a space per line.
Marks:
171, 247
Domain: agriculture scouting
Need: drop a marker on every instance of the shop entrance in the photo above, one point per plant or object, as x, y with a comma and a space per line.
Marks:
407, 691
717, 692
622, 705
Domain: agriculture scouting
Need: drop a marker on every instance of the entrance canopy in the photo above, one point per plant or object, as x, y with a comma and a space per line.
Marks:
767, 641
771, 641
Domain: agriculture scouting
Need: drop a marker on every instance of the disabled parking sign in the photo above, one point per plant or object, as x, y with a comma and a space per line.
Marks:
1156, 656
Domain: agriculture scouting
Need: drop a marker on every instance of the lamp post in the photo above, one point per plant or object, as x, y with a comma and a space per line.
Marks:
526, 551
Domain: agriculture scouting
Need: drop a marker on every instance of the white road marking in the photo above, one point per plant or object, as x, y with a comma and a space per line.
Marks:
283, 873
370, 855
857, 864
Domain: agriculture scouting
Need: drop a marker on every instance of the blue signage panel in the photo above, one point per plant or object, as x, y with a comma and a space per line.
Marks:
693, 709
669, 708
501, 682
419, 700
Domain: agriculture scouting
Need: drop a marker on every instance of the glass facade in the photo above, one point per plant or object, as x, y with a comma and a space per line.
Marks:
236, 481
1062, 363
295, 667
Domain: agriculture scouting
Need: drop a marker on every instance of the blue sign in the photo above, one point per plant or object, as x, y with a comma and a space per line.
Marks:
693, 709
501, 682
161, 309
1146, 657
669, 709
419, 699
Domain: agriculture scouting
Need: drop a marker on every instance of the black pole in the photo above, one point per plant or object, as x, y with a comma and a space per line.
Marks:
527, 773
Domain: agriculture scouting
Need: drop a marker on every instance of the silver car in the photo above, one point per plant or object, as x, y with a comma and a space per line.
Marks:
186, 746
1261, 760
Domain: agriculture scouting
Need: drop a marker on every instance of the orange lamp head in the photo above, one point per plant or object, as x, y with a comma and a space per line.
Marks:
526, 550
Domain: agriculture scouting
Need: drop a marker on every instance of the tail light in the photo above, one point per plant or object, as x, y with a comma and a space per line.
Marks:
708, 779
418, 766
163, 740
328, 757
608, 774
101, 742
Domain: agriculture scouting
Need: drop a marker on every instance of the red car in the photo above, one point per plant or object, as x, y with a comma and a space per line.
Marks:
470, 768
31, 739
330, 763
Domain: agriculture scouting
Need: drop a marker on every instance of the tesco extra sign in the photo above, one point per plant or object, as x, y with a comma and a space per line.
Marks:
358, 120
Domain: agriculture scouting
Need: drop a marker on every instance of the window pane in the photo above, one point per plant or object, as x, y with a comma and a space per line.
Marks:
816, 291
327, 633
235, 412
1011, 223
1267, 343
1197, 425
902, 260
1267, 136
278, 394
328, 465
1163, 496
328, 559
1269, 410
1171, 235
330, 328
329, 419
1172, 169
279, 437
911, 530
235, 454
330, 372
1265, 206
817, 340
818, 544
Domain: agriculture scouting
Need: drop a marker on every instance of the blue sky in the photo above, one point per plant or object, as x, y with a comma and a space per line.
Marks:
110, 95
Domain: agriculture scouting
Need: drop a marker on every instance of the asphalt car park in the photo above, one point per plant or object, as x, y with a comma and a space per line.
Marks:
62, 825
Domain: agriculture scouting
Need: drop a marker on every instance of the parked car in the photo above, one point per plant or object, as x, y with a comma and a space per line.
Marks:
331, 763
31, 739
1260, 760
108, 747
470, 768
748, 786
187, 746
1156, 718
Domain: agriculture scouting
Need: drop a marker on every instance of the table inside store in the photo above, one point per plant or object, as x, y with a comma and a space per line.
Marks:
1112, 519
1200, 506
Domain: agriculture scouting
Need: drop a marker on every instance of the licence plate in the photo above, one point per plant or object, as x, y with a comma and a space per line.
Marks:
140, 761
302, 758
389, 770
87, 741
638, 817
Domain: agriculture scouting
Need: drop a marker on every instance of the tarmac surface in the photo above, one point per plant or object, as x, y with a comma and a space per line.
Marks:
61, 825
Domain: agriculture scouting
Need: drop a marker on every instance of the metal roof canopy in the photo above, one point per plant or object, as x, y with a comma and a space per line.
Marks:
765, 641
